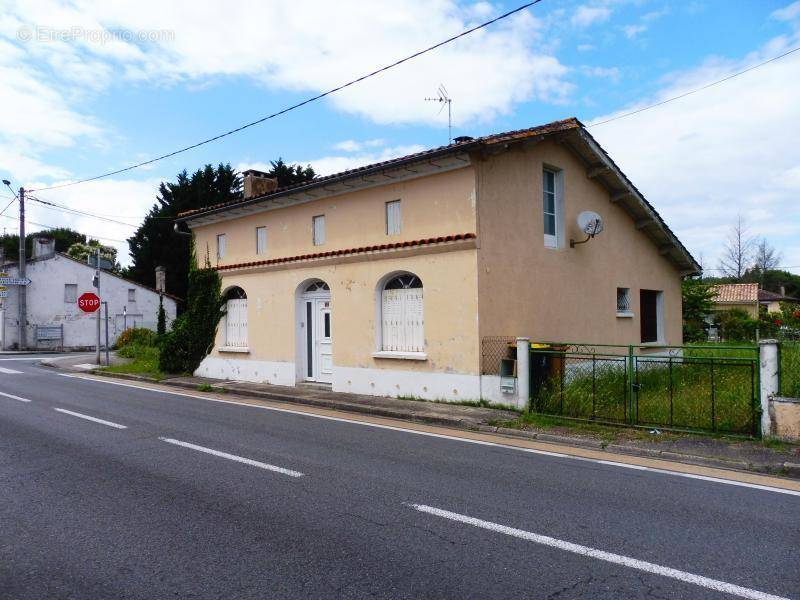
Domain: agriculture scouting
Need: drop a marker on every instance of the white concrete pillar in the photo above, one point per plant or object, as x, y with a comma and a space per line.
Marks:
770, 380
523, 372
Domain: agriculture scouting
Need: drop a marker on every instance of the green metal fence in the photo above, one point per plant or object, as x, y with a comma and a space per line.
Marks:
713, 388
790, 368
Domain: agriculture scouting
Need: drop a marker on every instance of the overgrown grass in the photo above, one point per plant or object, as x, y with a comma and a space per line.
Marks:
475, 403
145, 361
691, 392
790, 369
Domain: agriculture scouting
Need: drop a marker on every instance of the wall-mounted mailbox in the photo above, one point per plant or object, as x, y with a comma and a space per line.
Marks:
508, 375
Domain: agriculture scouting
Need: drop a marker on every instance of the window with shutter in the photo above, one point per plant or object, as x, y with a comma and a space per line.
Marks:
393, 219
236, 318
402, 319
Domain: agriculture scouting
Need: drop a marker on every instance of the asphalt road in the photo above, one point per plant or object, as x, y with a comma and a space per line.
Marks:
165, 496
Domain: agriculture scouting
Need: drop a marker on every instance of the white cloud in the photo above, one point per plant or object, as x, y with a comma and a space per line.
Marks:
729, 149
328, 165
123, 200
318, 45
355, 146
585, 16
609, 73
631, 31
790, 12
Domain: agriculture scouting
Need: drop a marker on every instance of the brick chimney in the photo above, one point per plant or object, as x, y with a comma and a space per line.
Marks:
257, 183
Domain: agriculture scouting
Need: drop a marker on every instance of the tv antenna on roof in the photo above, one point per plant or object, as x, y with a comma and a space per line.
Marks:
444, 98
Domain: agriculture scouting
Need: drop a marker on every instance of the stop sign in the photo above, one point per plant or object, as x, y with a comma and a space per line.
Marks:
88, 302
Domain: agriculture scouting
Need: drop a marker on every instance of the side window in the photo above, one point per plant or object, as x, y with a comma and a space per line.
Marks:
261, 240
394, 223
132, 295
624, 308
70, 293
318, 230
221, 243
552, 206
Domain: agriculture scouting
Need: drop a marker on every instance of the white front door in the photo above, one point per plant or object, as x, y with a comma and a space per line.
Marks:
318, 338
324, 347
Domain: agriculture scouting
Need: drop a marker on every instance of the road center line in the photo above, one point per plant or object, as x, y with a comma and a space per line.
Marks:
88, 418
466, 440
13, 397
246, 461
618, 559
10, 371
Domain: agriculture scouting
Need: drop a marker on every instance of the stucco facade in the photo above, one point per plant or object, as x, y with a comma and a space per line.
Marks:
48, 304
472, 232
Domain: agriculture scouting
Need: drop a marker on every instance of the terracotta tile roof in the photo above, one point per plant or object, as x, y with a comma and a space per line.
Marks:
767, 296
351, 251
736, 292
498, 138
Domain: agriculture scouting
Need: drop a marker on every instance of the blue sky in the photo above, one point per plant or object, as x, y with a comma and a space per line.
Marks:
78, 101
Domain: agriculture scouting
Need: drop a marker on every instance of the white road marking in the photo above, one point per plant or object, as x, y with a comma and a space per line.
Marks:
618, 559
88, 418
10, 371
13, 397
86, 366
246, 461
622, 465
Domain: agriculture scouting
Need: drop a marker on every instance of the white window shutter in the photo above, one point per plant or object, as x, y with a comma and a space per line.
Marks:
403, 325
236, 323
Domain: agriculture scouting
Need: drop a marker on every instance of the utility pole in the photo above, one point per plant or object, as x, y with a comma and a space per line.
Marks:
21, 289
97, 285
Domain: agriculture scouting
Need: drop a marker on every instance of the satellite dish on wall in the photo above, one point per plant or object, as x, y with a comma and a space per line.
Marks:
590, 223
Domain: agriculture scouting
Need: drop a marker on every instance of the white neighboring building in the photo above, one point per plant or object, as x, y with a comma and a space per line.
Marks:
56, 282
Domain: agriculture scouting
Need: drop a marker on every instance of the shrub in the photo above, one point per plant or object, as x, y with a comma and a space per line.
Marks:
161, 326
735, 325
193, 333
138, 336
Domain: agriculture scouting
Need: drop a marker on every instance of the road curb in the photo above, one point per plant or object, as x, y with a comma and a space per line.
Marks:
790, 470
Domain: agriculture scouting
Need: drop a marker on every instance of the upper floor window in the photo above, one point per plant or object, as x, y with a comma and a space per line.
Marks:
394, 223
221, 243
261, 240
70, 293
318, 230
551, 206
131, 294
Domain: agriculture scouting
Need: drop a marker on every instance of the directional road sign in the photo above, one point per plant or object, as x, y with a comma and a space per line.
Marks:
14, 281
3, 293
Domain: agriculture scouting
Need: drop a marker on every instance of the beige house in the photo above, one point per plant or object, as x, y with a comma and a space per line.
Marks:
743, 296
384, 279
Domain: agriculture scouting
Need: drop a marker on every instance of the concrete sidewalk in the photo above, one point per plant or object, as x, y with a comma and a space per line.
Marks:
730, 453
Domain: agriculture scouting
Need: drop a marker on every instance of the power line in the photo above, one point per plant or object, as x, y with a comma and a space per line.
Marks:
694, 91
59, 207
299, 104
88, 235
7, 205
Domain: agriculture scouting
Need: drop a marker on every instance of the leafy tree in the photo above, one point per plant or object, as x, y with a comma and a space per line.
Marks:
697, 305
156, 243
738, 252
735, 325
81, 252
63, 236
290, 174
773, 280
161, 324
193, 332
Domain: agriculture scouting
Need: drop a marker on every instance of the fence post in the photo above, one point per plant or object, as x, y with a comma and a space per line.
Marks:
523, 372
769, 377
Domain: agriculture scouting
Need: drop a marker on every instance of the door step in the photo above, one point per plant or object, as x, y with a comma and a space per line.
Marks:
315, 385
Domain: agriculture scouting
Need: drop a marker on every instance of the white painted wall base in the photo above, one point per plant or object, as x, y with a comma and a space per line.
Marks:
397, 383
490, 391
238, 369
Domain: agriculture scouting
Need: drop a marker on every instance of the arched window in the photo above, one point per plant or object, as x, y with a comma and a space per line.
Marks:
402, 319
235, 318
318, 286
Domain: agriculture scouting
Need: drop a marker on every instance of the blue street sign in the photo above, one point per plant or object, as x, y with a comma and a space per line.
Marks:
14, 281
